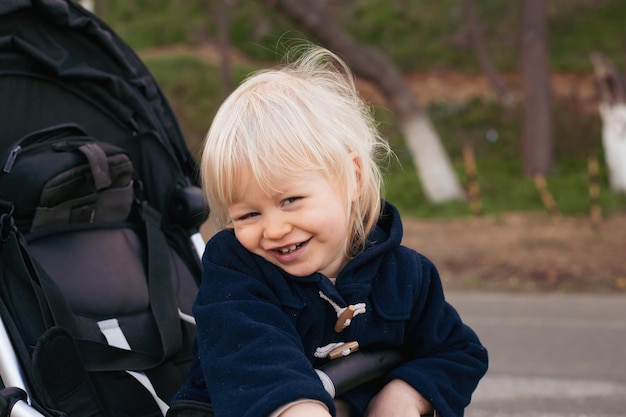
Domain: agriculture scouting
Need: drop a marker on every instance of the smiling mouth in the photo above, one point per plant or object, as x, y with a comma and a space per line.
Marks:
289, 249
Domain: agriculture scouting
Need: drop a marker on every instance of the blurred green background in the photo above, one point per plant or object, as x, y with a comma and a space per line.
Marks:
419, 36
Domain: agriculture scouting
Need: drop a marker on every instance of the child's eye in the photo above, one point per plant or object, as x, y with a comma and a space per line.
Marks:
246, 216
290, 200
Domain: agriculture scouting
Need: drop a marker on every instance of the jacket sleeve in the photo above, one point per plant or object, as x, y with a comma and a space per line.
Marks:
249, 350
448, 359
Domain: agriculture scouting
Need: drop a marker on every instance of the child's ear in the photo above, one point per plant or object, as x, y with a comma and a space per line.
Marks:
358, 168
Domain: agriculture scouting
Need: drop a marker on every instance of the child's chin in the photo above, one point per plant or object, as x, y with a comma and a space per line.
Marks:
300, 274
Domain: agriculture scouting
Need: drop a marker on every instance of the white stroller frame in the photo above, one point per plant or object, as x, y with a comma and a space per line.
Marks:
18, 405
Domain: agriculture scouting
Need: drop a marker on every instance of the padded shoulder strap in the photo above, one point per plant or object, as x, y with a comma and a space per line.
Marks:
99, 356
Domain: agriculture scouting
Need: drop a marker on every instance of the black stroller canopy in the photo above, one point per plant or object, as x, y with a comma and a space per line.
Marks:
59, 63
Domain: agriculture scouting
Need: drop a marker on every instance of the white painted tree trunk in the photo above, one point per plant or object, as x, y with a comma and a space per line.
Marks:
88, 4
431, 161
614, 144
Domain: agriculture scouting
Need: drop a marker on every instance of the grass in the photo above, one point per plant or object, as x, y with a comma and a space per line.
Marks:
576, 32
416, 34
416, 37
493, 134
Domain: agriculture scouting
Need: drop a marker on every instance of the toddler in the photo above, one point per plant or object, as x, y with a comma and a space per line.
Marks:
309, 256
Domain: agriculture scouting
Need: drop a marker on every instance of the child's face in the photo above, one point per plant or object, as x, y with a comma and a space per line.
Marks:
303, 228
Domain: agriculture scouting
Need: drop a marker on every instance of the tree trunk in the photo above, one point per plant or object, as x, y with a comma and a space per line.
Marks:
477, 40
613, 114
435, 171
224, 11
88, 5
537, 130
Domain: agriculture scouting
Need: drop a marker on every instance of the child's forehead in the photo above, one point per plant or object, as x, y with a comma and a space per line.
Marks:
275, 182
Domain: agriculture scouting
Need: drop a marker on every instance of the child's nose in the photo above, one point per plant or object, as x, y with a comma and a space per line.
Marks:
275, 227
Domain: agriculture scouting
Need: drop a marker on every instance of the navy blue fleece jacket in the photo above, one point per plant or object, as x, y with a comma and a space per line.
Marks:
258, 328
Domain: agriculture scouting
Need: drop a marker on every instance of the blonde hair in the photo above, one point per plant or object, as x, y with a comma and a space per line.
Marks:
291, 121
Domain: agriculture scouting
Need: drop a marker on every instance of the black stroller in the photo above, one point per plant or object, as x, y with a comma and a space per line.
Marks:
99, 210
99, 216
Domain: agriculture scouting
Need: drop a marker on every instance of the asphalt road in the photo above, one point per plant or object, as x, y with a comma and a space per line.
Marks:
550, 355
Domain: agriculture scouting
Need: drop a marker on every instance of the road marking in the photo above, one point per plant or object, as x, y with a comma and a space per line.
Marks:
568, 323
493, 388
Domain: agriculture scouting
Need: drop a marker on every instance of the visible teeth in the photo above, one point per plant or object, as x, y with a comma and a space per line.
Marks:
289, 249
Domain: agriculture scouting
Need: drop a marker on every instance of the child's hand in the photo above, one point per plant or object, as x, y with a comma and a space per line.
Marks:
306, 409
398, 399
